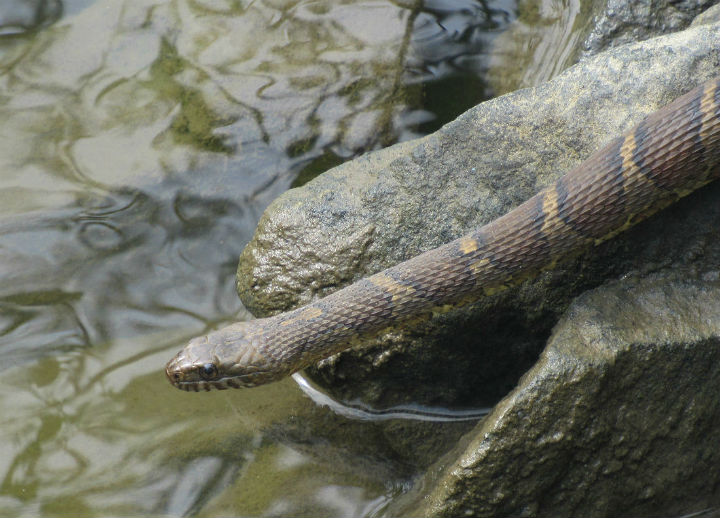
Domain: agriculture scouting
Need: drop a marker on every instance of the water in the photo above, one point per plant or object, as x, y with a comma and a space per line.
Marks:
140, 142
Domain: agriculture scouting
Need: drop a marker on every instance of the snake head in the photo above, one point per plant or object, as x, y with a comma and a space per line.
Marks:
227, 358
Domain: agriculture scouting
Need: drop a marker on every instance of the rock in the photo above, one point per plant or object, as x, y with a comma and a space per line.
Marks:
712, 15
546, 38
619, 416
617, 22
388, 206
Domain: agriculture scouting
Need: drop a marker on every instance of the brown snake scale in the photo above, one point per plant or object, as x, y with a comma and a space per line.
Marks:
668, 155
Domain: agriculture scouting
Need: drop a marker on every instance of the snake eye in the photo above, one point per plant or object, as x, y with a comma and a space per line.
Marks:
208, 371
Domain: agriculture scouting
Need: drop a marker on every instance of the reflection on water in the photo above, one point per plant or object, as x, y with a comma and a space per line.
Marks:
140, 141
361, 411
542, 42
122, 265
20, 17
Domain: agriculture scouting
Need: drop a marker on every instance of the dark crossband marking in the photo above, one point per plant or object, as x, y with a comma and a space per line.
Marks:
709, 132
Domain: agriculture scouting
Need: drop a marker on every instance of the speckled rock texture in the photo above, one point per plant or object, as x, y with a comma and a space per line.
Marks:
617, 22
707, 17
391, 205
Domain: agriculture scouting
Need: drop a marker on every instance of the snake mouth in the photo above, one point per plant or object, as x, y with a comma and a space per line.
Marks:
207, 386
219, 384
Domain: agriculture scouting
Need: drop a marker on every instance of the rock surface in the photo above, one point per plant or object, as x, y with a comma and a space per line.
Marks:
548, 37
388, 206
617, 22
618, 418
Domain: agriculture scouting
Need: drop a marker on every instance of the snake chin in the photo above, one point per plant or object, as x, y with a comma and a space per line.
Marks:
220, 384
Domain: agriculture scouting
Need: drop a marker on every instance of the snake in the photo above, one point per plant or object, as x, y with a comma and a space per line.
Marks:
668, 155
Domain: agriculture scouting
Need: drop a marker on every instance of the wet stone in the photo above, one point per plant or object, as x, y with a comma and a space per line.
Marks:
618, 417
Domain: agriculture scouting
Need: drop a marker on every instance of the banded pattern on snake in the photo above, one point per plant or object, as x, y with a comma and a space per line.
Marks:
668, 155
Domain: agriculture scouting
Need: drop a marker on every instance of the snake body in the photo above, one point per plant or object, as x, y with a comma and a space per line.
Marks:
668, 155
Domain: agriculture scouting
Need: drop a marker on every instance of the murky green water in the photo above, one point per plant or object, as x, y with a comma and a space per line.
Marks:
140, 141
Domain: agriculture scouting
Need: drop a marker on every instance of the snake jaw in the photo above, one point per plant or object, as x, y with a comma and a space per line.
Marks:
189, 376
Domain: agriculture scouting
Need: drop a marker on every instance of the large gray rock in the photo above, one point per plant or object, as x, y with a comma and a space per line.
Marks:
619, 417
374, 212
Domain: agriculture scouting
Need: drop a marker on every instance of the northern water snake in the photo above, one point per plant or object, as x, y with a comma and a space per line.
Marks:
668, 155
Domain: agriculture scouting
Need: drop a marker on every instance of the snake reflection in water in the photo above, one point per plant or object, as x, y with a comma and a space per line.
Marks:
669, 154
